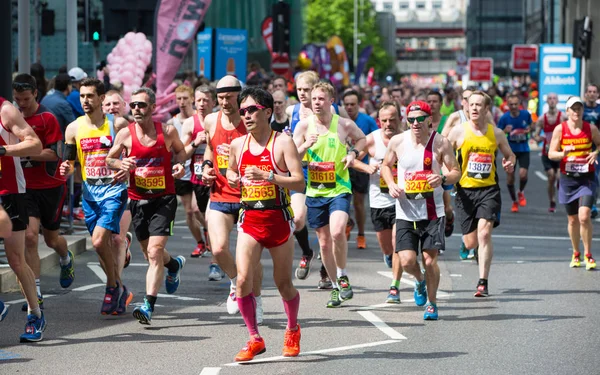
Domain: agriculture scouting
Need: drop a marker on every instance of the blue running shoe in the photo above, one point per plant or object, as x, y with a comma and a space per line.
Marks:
420, 293
172, 280
215, 273
34, 328
388, 260
594, 212
464, 252
111, 300
431, 312
124, 301
67, 273
393, 296
143, 313
3, 310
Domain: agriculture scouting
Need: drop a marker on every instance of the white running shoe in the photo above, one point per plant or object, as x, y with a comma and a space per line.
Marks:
259, 310
232, 306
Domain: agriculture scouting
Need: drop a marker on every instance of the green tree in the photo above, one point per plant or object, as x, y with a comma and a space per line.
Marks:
325, 18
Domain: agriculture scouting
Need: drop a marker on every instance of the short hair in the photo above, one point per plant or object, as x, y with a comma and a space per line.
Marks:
62, 82
115, 92
352, 92
592, 84
28, 79
93, 82
208, 90
278, 78
436, 93
279, 91
486, 98
310, 76
260, 95
148, 91
325, 86
513, 96
386, 105
184, 88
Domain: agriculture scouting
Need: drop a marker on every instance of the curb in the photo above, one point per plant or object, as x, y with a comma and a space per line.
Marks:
48, 261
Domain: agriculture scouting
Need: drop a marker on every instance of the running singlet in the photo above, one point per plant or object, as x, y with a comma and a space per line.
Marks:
198, 155
12, 180
44, 174
326, 174
262, 195
221, 191
93, 145
548, 129
422, 202
295, 117
440, 127
379, 196
575, 163
447, 109
178, 124
152, 176
477, 158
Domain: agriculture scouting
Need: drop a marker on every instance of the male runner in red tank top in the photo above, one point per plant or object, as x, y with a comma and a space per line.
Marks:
148, 146
267, 165
221, 128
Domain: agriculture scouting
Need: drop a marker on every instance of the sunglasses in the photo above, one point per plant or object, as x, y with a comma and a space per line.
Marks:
134, 105
22, 86
419, 119
250, 109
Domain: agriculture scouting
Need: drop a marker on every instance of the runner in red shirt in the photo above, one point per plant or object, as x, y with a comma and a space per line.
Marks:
46, 188
267, 166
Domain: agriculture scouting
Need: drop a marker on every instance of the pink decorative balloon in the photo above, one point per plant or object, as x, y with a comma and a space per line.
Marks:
130, 58
140, 64
130, 38
129, 67
115, 68
127, 90
140, 38
127, 78
148, 46
110, 58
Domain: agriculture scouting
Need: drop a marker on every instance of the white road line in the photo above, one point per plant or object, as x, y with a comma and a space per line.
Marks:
87, 287
315, 352
130, 264
440, 294
98, 271
515, 237
541, 175
181, 298
24, 300
211, 371
518, 247
377, 322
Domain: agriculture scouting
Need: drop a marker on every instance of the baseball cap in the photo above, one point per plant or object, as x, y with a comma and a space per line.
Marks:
572, 100
77, 74
418, 105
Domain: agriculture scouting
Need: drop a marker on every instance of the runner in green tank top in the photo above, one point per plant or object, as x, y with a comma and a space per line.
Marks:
322, 137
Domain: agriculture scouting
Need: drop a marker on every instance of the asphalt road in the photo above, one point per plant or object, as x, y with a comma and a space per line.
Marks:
541, 317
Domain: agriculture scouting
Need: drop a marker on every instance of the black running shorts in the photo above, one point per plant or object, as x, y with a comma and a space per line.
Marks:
153, 217
17, 211
420, 235
383, 218
473, 204
46, 205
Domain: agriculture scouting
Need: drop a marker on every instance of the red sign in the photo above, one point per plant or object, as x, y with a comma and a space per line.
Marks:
280, 64
267, 33
522, 56
481, 69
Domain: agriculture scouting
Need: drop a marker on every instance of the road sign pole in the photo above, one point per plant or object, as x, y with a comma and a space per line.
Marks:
583, 85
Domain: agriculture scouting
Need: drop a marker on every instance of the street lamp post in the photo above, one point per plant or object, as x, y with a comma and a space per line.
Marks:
355, 34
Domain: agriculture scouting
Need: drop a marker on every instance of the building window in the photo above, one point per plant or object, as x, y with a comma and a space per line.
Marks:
437, 5
404, 6
420, 5
388, 6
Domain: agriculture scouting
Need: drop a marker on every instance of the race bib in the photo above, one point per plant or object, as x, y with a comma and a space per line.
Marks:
321, 175
518, 136
479, 165
150, 180
577, 164
259, 196
222, 159
383, 186
416, 185
96, 171
198, 160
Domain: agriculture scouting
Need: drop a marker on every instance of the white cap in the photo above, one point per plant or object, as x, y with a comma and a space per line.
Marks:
77, 74
572, 100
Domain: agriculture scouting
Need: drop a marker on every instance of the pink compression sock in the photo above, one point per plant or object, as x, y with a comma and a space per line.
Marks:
247, 306
291, 310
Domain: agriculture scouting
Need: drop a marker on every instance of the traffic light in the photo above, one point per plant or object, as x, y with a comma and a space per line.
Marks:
82, 15
281, 27
582, 38
95, 32
47, 22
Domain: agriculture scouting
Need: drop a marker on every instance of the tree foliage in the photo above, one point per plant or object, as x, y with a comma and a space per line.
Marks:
325, 18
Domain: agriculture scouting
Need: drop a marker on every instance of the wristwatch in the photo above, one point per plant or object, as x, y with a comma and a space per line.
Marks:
2, 150
356, 152
271, 176
444, 179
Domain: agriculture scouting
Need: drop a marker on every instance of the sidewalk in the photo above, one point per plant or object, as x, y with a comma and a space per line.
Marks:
48, 260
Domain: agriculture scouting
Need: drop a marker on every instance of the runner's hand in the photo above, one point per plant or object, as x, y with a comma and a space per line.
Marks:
128, 164
253, 173
120, 176
65, 168
209, 175
434, 180
395, 191
311, 140
508, 129
508, 166
371, 169
200, 138
592, 157
348, 160
233, 179
178, 171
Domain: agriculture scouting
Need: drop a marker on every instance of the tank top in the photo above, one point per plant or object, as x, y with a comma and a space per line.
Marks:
198, 155
221, 191
326, 174
152, 177
447, 109
548, 129
463, 116
295, 117
440, 127
12, 179
93, 144
477, 158
379, 196
422, 201
574, 163
262, 195
179, 126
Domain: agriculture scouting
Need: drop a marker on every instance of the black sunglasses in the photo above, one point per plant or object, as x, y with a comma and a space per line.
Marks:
22, 86
134, 105
419, 119
250, 109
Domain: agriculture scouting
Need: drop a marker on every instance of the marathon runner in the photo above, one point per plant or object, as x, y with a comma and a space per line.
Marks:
571, 144
18, 139
88, 139
478, 200
148, 146
280, 121
547, 123
45, 188
322, 137
221, 128
266, 164
516, 124
383, 206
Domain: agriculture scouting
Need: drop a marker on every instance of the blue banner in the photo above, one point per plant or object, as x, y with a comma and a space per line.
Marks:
204, 41
363, 58
560, 73
231, 53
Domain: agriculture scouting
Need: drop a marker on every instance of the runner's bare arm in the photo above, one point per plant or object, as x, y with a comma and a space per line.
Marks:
302, 140
367, 150
12, 120
363, 167
539, 125
209, 123
342, 110
176, 145
455, 135
554, 152
449, 125
450, 163
388, 163
358, 140
509, 160
233, 172
120, 124
292, 161
112, 158
289, 111
490, 119
592, 158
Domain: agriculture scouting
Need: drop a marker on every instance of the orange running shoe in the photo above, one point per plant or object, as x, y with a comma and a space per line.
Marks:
361, 242
254, 347
522, 200
291, 344
349, 227
515, 207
